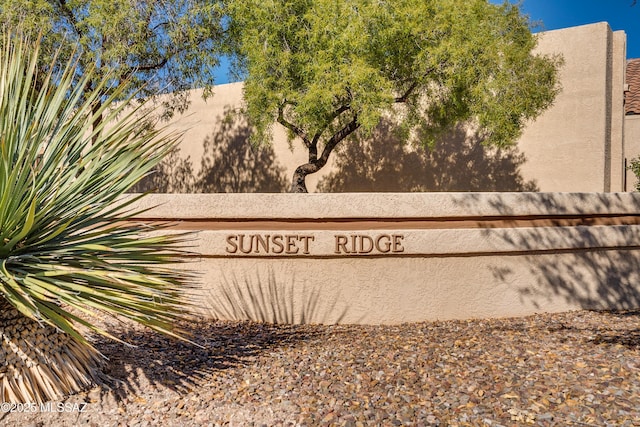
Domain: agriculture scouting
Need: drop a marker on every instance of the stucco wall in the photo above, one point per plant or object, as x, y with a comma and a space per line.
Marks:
617, 117
213, 130
392, 257
577, 145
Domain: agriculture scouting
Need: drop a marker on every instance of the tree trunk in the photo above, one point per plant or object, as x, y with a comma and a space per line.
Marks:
316, 163
298, 184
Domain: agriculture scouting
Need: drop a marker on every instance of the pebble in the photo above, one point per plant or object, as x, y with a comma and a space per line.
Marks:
492, 372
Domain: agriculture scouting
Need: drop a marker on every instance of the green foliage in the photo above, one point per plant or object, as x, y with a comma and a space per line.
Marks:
175, 43
66, 248
317, 66
634, 167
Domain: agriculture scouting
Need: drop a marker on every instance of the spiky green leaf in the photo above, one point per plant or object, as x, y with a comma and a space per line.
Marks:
67, 241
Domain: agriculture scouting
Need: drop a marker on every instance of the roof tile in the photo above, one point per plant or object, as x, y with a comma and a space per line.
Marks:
632, 98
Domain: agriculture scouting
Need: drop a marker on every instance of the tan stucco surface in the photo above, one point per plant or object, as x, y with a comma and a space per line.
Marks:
464, 255
617, 114
576, 145
395, 206
204, 120
458, 255
566, 147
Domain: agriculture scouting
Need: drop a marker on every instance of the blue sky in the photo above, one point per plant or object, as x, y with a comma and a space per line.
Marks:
555, 14
620, 14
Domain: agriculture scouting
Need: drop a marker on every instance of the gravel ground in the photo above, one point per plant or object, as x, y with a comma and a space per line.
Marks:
578, 368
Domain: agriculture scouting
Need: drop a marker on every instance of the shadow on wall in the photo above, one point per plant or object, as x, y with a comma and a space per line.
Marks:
599, 275
459, 162
229, 164
381, 163
271, 301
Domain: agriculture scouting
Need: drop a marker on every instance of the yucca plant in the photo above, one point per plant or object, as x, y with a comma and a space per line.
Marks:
69, 250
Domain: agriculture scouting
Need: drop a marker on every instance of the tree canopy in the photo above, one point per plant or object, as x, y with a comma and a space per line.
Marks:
155, 46
325, 69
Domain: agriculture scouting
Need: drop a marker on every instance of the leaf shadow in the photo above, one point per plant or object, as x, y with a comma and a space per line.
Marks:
229, 164
629, 338
182, 366
590, 261
459, 161
272, 301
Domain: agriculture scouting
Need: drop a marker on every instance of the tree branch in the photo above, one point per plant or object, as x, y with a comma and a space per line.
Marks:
412, 87
69, 14
293, 128
153, 67
161, 24
407, 93
351, 127
334, 116
126, 74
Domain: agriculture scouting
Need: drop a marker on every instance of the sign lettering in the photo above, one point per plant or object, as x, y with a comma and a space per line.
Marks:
303, 244
289, 244
365, 244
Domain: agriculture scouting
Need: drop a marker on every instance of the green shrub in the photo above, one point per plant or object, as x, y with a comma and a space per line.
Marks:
68, 247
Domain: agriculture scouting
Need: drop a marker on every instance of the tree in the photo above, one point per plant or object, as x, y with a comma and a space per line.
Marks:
326, 69
154, 46
68, 249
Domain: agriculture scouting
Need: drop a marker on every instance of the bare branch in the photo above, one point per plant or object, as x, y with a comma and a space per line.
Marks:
161, 24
